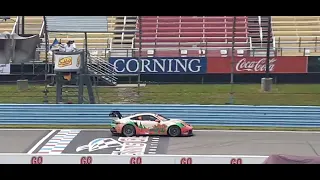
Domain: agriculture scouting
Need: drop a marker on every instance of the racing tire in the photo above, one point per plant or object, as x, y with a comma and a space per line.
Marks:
174, 131
128, 130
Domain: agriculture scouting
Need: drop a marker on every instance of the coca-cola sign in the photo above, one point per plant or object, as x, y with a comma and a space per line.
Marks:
255, 66
280, 64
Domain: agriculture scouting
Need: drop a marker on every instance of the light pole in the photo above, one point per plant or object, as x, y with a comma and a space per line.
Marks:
232, 60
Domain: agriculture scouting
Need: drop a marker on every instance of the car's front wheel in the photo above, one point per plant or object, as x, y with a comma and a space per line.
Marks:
128, 130
174, 131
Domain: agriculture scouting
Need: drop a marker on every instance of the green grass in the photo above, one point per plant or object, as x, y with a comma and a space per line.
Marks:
195, 127
306, 94
243, 94
288, 94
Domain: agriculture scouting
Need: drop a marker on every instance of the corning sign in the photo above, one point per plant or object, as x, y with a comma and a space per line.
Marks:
67, 62
161, 65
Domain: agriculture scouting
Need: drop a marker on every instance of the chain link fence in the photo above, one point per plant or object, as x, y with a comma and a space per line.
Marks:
248, 94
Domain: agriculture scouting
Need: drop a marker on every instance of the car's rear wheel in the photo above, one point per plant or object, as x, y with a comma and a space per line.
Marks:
128, 130
174, 131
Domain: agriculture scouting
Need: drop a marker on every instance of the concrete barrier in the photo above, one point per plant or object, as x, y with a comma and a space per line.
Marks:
208, 115
124, 159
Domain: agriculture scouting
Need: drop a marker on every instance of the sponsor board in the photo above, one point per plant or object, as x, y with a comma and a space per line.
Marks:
280, 64
66, 62
160, 65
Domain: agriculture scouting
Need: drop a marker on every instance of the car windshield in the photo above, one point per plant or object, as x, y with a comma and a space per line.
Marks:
162, 118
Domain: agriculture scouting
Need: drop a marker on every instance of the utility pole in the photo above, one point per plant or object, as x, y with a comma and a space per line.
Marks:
232, 60
268, 48
266, 82
139, 55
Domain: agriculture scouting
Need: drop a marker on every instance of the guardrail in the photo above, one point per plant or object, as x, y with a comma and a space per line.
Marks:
205, 115
247, 52
17, 158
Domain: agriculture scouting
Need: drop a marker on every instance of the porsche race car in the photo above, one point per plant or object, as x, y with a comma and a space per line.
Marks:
148, 124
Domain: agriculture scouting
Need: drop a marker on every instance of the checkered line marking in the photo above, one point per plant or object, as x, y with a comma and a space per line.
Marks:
59, 142
154, 145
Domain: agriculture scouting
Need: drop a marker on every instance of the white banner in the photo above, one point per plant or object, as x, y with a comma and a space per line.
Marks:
126, 159
4, 69
67, 63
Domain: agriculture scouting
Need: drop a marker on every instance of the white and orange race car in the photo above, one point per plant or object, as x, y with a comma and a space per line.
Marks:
148, 124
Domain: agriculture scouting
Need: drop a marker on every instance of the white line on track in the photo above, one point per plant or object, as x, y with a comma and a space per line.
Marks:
41, 141
248, 131
26, 129
237, 131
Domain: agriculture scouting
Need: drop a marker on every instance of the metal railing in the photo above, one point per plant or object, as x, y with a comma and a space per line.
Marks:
250, 42
301, 42
274, 42
297, 46
41, 30
100, 66
203, 51
16, 23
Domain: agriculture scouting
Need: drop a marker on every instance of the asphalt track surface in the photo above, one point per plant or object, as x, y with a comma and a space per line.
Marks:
202, 143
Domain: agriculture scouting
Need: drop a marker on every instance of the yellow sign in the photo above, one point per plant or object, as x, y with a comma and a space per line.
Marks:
66, 61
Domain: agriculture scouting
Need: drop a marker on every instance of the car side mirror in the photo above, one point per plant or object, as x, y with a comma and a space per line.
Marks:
157, 120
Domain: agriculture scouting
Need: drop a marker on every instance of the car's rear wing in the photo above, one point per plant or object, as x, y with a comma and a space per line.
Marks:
115, 114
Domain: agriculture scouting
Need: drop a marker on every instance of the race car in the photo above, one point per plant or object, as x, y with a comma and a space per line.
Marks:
148, 124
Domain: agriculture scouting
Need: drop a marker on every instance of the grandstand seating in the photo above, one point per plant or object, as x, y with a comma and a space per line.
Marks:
297, 33
126, 24
8, 25
32, 24
191, 32
258, 31
122, 42
97, 42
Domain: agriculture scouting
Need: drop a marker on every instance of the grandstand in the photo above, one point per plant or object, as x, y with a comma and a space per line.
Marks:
123, 42
97, 42
298, 33
258, 31
124, 39
191, 35
8, 25
32, 24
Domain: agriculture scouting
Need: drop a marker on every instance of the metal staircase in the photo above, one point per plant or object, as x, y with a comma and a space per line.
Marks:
258, 32
98, 65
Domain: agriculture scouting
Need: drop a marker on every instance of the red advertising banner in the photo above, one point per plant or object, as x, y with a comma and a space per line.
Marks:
280, 64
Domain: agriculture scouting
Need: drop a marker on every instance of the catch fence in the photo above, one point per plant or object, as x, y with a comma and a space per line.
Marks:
223, 94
